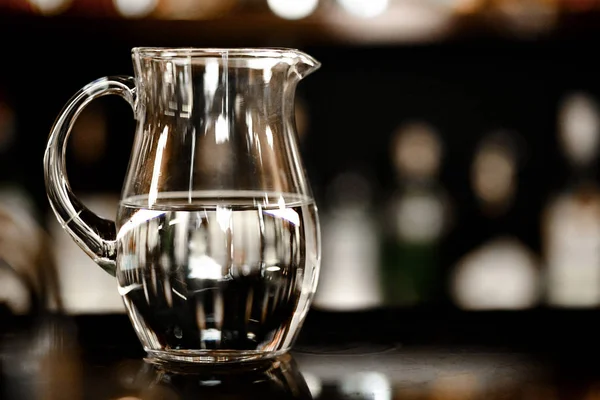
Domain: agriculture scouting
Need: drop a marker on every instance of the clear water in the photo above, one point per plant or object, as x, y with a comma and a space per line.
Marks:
227, 272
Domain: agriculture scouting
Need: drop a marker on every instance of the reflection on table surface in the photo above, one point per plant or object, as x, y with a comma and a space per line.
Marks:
46, 360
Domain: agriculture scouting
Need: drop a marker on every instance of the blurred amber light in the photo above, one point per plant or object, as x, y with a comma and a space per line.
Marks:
579, 127
193, 9
364, 8
135, 8
50, 7
493, 172
293, 9
418, 150
468, 7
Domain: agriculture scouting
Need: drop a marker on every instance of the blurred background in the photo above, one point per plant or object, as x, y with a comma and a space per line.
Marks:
452, 146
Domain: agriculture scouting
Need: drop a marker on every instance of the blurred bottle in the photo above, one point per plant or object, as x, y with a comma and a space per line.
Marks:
28, 281
571, 221
416, 219
572, 243
349, 277
36, 361
39, 355
27, 277
502, 273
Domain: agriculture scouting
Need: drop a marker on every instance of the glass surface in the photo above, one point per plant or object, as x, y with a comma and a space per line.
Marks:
216, 245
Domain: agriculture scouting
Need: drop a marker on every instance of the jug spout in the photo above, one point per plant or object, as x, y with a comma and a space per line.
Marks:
304, 64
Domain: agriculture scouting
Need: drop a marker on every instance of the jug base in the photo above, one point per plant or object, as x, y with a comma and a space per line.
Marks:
211, 356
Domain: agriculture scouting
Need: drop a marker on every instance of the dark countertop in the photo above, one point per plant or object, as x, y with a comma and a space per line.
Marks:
377, 355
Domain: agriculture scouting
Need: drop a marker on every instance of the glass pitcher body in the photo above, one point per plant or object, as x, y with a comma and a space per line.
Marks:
216, 245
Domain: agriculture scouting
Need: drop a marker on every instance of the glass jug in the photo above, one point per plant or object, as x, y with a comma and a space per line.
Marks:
216, 245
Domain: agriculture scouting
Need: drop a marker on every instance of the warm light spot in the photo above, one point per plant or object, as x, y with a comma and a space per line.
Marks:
501, 275
50, 7
493, 172
135, 8
420, 217
579, 127
293, 9
417, 150
364, 8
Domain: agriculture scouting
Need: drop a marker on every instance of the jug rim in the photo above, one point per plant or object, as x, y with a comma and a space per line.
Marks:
169, 53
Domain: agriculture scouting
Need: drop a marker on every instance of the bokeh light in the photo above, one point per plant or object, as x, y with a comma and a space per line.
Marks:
193, 9
293, 9
364, 8
420, 217
417, 150
579, 127
501, 275
135, 8
494, 171
50, 7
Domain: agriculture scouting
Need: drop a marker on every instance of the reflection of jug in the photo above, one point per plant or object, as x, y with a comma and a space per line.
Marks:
216, 245
278, 379
40, 360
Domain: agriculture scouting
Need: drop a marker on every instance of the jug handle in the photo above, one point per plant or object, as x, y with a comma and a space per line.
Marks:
94, 234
